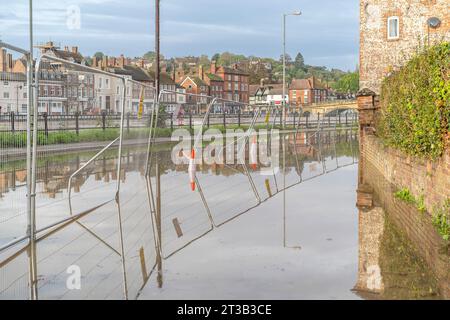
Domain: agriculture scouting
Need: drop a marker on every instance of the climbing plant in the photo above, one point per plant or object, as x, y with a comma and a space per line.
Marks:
415, 104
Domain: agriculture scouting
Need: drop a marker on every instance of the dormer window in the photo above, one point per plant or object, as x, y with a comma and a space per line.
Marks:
393, 29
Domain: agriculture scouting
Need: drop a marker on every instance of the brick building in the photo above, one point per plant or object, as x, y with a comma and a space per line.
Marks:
391, 31
303, 92
195, 86
235, 82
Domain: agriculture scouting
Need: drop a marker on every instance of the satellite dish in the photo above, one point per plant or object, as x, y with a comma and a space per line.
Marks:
434, 22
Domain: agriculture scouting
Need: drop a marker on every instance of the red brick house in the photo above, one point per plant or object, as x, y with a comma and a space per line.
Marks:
306, 92
235, 82
195, 86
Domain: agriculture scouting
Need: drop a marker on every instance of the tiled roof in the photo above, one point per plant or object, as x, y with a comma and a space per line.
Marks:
233, 71
253, 88
300, 84
310, 83
214, 77
68, 55
199, 82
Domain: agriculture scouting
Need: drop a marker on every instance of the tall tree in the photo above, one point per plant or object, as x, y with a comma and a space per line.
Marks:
299, 61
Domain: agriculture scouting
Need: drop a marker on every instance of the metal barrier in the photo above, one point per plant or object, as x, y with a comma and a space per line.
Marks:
117, 231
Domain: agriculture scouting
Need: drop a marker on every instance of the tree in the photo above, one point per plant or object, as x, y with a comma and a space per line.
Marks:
150, 55
348, 83
299, 61
99, 55
288, 58
216, 57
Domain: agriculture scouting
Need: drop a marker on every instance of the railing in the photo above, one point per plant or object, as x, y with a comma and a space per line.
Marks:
16, 123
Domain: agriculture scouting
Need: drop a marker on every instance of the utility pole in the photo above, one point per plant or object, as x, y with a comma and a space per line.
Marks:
157, 49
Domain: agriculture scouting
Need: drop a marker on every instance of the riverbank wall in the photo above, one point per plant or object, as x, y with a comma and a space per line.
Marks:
384, 170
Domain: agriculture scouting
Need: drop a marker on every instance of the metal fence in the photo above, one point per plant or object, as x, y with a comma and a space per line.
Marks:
94, 215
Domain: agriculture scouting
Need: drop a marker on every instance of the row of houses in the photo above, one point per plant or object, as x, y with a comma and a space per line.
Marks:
65, 89
300, 92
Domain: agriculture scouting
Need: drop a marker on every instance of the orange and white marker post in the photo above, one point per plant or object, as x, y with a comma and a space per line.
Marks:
192, 169
253, 152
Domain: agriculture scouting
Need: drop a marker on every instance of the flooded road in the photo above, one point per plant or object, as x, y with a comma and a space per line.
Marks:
292, 234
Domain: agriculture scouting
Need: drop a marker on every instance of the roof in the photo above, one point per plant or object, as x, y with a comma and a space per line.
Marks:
164, 78
13, 76
138, 73
233, 70
310, 83
199, 82
214, 77
69, 55
300, 84
275, 89
253, 88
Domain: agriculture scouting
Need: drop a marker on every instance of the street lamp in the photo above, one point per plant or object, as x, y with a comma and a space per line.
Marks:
295, 13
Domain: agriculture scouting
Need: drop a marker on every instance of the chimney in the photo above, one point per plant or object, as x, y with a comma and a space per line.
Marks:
3, 60
94, 61
141, 63
66, 49
261, 83
121, 61
105, 62
9, 62
75, 49
235, 66
200, 72
213, 69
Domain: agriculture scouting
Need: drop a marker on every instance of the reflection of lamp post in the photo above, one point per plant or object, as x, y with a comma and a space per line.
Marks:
283, 103
18, 87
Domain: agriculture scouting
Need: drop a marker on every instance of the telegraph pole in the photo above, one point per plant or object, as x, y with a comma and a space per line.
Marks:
157, 49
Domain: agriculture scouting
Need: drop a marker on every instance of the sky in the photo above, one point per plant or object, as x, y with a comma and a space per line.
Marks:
326, 33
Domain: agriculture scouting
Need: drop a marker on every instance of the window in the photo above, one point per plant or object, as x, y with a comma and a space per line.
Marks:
393, 28
100, 83
6, 95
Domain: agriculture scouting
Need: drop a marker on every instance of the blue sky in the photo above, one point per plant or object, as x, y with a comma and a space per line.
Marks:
327, 32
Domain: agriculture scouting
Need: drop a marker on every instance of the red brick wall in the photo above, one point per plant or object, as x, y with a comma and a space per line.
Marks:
387, 170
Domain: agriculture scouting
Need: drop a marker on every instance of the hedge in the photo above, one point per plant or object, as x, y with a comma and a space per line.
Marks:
415, 104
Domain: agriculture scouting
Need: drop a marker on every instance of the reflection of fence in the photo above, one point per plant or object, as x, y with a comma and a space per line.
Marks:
118, 231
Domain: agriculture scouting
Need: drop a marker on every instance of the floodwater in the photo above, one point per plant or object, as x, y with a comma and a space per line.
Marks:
292, 234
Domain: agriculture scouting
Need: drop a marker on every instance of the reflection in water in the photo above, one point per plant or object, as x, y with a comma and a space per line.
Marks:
389, 266
92, 240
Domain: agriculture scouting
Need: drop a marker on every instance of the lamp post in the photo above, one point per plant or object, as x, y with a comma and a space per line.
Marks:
157, 47
283, 104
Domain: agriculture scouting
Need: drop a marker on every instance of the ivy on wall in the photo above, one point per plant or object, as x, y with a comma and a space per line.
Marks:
415, 104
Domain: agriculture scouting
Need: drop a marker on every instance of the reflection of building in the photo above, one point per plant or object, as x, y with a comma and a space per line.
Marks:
390, 31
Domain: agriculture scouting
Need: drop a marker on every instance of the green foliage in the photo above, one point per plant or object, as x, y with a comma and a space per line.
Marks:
348, 83
299, 61
416, 104
405, 195
420, 204
441, 220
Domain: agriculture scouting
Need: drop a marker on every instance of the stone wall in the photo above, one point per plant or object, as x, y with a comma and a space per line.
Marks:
380, 55
384, 171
